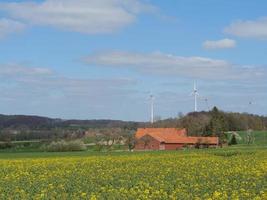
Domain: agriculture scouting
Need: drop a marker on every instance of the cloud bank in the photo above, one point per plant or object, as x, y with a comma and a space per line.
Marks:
84, 16
172, 65
219, 44
249, 29
21, 82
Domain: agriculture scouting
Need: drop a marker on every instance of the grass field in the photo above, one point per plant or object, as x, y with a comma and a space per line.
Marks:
231, 173
260, 137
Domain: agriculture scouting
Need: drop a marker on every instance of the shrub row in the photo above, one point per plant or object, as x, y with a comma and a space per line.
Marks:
60, 146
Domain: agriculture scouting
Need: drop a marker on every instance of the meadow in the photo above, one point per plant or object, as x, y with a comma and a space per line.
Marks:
259, 137
230, 173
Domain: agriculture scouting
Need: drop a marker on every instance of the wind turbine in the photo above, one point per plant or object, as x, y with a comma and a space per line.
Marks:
152, 98
195, 94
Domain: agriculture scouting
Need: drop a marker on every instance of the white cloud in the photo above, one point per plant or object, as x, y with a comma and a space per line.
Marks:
85, 16
15, 70
219, 44
171, 65
47, 77
8, 26
44, 79
40, 91
249, 29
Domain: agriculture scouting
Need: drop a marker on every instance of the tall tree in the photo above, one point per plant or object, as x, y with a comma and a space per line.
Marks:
218, 125
233, 140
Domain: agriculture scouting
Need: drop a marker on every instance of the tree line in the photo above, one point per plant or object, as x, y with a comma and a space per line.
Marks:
215, 123
212, 123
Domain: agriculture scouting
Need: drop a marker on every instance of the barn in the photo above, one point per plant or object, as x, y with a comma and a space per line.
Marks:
170, 139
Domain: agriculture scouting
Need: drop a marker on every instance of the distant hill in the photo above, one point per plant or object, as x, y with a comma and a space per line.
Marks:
100, 123
235, 121
24, 127
37, 122
25, 121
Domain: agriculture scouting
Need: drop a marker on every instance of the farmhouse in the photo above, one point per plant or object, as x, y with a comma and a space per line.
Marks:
170, 139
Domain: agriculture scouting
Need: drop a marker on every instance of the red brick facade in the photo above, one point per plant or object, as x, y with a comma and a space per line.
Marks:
147, 143
170, 139
173, 146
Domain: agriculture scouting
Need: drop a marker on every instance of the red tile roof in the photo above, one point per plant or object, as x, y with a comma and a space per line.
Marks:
174, 136
159, 131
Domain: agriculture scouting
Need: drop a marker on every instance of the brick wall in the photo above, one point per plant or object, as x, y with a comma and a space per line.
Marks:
173, 146
147, 143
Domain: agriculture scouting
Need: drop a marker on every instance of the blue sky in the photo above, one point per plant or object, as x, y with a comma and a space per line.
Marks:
92, 59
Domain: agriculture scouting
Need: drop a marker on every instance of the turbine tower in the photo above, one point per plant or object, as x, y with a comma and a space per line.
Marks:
195, 93
152, 98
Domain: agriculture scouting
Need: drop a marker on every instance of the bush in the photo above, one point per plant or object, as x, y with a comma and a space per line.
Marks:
6, 145
98, 147
60, 146
233, 140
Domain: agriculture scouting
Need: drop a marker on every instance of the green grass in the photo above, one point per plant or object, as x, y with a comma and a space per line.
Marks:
236, 149
23, 146
260, 138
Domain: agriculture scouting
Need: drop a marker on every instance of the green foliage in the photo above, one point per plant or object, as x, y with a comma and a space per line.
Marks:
215, 122
233, 140
22, 146
195, 123
6, 145
229, 152
98, 147
130, 140
259, 138
218, 125
89, 140
60, 146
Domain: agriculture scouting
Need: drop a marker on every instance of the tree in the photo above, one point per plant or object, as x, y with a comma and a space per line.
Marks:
233, 140
111, 136
195, 123
130, 140
218, 125
250, 138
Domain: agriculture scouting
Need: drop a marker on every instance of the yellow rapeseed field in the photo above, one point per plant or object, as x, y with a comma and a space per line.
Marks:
153, 175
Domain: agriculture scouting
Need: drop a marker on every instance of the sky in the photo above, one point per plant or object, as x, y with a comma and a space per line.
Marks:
102, 59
